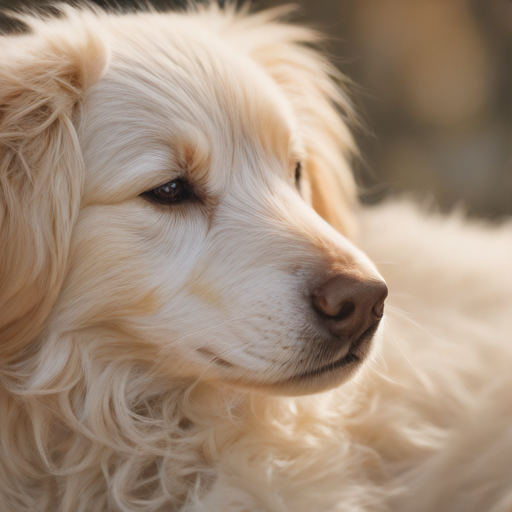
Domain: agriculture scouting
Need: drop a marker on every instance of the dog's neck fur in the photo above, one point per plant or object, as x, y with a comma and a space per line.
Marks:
177, 438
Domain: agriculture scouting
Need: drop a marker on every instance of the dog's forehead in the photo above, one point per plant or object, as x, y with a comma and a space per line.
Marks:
172, 103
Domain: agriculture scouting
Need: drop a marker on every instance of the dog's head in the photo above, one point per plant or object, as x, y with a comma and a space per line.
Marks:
176, 198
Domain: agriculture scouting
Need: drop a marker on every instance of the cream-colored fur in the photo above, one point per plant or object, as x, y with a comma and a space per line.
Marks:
148, 352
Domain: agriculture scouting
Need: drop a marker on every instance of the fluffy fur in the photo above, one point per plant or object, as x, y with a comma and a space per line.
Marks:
147, 353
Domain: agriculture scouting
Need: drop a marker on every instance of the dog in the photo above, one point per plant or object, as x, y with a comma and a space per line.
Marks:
190, 318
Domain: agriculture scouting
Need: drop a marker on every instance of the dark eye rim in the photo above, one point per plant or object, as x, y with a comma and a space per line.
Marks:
298, 173
182, 192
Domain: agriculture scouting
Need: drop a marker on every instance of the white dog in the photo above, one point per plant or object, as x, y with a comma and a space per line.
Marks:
180, 260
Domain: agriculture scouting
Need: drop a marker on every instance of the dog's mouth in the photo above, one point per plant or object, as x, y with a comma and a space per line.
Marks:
313, 380
357, 352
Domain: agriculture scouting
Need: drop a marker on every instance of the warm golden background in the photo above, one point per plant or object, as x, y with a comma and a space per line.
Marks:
434, 88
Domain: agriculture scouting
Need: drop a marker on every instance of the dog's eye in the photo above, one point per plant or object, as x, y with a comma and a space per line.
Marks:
298, 170
173, 192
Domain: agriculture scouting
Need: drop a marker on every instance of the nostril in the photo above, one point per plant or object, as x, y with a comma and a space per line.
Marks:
378, 307
346, 311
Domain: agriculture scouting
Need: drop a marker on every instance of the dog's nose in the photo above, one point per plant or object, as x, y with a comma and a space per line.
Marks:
350, 305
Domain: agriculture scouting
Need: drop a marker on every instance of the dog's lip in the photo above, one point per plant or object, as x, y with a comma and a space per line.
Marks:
349, 359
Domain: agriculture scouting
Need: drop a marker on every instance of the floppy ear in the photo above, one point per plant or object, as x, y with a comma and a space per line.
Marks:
43, 77
309, 81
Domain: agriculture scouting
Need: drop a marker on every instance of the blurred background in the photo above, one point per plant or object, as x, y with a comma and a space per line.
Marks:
434, 91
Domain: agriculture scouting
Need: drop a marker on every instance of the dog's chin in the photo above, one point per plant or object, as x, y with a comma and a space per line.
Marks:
329, 375
319, 378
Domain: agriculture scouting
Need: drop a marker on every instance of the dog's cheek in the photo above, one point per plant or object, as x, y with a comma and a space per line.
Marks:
126, 265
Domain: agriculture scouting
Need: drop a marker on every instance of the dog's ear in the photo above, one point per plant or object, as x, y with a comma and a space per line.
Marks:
43, 78
310, 82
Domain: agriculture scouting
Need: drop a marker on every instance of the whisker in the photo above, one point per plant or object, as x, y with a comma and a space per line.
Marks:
422, 377
403, 314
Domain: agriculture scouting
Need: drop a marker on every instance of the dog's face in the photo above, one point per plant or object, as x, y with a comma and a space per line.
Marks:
195, 249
